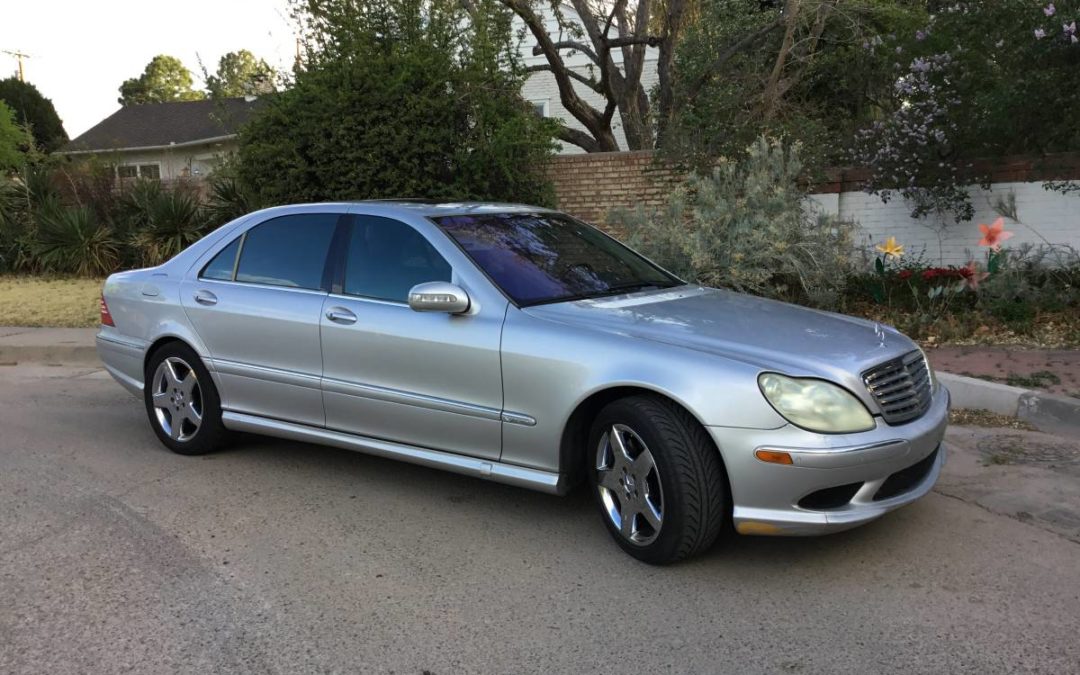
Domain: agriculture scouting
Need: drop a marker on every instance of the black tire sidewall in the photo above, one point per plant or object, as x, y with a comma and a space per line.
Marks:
211, 431
665, 548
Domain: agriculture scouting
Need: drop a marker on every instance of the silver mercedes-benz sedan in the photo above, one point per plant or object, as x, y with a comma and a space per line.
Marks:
517, 344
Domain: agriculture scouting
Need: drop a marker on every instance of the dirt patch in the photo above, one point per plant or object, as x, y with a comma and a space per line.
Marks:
1056, 371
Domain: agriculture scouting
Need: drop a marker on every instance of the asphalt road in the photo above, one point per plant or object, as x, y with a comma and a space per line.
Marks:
117, 556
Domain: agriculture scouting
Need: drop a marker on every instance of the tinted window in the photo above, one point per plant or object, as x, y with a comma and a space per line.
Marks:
223, 264
386, 258
288, 251
537, 258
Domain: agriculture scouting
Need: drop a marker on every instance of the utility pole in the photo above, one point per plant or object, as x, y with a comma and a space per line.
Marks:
20, 56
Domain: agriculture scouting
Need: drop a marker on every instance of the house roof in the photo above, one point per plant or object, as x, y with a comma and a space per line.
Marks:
161, 125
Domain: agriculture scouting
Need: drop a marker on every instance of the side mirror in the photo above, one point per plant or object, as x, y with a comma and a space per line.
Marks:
438, 296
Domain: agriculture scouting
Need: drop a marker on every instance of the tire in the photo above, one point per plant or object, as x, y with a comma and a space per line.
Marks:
678, 502
185, 394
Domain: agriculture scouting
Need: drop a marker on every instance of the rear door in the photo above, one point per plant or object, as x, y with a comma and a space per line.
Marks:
256, 305
422, 378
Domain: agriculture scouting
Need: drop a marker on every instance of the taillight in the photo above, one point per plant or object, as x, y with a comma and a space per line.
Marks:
106, 318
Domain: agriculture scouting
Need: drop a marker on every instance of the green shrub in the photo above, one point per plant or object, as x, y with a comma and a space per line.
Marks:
70, 240
1031, 279
400, 98
748, 226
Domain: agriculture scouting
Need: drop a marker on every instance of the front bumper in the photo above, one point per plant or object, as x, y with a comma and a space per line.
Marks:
873, 473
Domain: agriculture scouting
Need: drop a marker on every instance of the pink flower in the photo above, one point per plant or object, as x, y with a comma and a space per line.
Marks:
973, 276
1069, 28
994, 234
1039, 33
1049, 10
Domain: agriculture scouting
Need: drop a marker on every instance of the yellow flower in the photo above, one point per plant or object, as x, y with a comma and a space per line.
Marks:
891, 248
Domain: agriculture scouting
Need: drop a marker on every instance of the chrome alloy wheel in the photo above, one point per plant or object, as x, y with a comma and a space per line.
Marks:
178, 403
629, 485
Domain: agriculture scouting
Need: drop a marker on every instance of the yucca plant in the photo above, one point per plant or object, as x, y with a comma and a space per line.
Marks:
173, 221
228, 199
70, 240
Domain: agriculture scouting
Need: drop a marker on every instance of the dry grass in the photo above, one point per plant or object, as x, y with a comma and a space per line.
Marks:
985, 418
53, 302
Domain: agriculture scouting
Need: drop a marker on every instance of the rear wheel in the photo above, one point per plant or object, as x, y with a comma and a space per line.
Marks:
657, 478
182, 402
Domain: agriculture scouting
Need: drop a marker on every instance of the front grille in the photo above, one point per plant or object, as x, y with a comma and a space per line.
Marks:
901, 387
905, 479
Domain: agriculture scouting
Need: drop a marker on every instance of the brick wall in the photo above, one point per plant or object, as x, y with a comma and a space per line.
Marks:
589, 186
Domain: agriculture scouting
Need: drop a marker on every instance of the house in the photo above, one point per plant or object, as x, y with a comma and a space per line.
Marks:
541, 90
166, 141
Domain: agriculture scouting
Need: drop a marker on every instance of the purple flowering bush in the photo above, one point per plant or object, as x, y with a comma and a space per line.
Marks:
980, 79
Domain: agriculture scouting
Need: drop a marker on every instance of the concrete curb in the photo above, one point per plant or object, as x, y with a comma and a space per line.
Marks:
1046, 412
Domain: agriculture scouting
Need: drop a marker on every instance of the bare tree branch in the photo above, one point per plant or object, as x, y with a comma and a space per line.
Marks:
587, 81
570, 44
589, 117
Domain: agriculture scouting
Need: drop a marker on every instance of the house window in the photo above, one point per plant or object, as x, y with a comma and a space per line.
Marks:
144, 171
540, 108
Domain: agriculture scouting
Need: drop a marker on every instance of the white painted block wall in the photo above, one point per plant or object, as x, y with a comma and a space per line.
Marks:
1045, 217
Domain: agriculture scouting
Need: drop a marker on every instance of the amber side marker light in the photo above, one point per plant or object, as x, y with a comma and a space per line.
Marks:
773, 456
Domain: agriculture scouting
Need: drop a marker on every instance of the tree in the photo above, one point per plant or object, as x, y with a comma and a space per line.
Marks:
399, 98
978, 79
793, 69
34, 111
602, 30
164, 79
13, 140
240, 74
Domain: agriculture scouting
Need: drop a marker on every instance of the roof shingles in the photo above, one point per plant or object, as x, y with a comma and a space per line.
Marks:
163, 124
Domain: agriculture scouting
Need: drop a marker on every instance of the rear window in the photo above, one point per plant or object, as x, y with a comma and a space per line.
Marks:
224, 263
288, 251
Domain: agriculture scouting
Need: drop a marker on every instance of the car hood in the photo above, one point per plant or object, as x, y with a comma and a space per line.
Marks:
770, 334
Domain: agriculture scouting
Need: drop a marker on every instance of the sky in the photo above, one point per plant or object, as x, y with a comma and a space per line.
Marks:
81, 50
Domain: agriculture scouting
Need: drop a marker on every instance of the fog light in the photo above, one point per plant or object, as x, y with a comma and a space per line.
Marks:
773, 456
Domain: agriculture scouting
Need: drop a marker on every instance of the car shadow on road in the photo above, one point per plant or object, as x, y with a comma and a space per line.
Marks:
519, 513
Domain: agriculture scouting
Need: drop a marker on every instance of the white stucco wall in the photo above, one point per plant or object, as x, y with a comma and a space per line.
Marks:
1046, 217
189, 161
541, 88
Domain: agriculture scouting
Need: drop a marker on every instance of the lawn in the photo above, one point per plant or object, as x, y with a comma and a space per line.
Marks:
37, 301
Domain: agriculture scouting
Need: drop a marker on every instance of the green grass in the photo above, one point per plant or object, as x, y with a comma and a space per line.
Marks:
53, 302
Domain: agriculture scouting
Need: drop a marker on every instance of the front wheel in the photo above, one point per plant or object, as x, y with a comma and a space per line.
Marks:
657, 478
182, 402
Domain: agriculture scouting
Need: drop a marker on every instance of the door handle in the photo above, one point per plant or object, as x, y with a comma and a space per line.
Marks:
205, 298
340, 315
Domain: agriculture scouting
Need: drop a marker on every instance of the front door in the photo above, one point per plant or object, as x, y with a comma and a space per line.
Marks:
426, 379
256, 306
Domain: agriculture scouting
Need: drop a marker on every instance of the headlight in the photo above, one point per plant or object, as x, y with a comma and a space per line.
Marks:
815, 405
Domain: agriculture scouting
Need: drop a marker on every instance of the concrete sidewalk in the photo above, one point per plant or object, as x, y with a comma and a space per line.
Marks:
1046, 411
67, 346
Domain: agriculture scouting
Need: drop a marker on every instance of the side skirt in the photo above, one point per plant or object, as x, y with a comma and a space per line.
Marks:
543, 481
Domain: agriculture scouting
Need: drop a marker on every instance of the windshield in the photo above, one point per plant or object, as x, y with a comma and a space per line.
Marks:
538, 258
